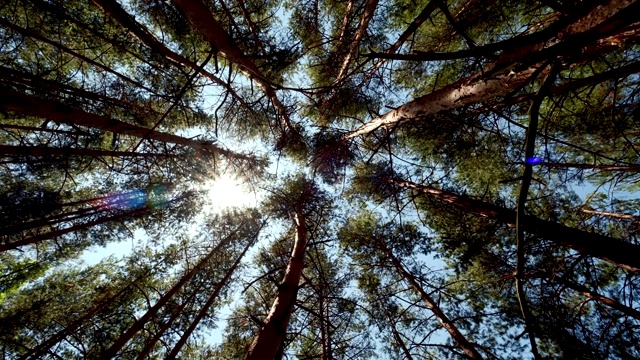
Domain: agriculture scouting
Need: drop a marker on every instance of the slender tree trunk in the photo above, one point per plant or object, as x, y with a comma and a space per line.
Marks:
628, 311
201, 18
611, 214
616, 251
113, 9
33, 34
272, 334
481, 87
601, 167
396, 334
174, 315
448, 325
51, 220
119, 343
205, 308
41, 84
369, 9
42, 151
56, 233
39, 351
31, 105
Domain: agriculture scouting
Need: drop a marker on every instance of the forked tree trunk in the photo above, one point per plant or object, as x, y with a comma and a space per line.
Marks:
273, 331
616, 251
120, 342
369, 9
444, 320
205, 308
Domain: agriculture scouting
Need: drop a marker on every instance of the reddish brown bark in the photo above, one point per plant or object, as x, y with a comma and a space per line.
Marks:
113, 9
201, 18
616, 251
629, 311
369, 9
273, 331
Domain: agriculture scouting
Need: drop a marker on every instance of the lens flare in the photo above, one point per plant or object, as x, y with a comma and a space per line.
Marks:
533, 160
154, 197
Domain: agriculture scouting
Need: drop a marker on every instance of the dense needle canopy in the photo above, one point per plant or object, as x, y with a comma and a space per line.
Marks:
319, 179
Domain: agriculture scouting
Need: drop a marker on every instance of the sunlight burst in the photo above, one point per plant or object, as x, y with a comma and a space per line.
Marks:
227, 191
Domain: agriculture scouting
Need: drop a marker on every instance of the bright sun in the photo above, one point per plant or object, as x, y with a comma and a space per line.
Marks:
227, 191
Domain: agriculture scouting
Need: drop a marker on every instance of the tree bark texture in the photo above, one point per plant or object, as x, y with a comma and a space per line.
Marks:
272, 333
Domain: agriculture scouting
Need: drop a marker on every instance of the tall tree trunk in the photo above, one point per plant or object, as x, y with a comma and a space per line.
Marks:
273, 331
480, 87
52, 110
201, 18
616, 251
114, 10
56, 233
628, 311
42, 151
138, 325
51, 220
448, 325
175, 313
205, 308
39, 351
369, 9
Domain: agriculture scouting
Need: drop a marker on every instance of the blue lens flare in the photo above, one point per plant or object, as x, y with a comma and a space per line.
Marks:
533, 160
155, 197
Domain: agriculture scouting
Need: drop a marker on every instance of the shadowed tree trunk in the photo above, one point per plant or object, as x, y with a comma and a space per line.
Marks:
31, 105
444, 320
616, 251
119, 343
41, 151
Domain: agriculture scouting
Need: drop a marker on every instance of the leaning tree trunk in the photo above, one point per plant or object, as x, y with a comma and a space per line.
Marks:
119, 343
56, 233
628, 311
464, 344
273, 331
52, 110
201, 18
39, 351
44, 151
616, 251
483, 86
205, 308
114, 10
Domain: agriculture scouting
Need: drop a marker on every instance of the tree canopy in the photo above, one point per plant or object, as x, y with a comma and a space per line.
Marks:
432, 179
